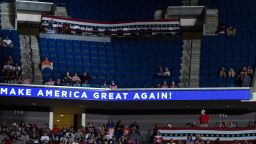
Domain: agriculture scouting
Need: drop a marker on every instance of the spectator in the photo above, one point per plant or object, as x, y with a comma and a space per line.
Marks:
173, 85
45, 138
231, 73
231, 31
7, 42
250, 71
164, 85
246, 82
85, 78
67, 79
160, 72
76, 78
222, 73
46, 64
158, 139
189, 140
58, 83
50, 82
167, 73
221, 29
204, 119
113, 85
77, 84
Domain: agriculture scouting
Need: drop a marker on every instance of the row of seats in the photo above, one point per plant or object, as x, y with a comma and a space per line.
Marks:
136, 61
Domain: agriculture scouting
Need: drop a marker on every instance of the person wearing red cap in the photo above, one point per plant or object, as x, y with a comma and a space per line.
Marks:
204, 119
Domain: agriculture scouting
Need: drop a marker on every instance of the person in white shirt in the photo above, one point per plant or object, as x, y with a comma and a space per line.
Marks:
45, 137
7, 42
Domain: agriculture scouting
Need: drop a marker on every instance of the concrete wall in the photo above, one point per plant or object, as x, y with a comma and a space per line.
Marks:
39, 118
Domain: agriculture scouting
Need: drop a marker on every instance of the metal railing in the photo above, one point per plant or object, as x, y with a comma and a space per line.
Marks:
27, 55
187, 70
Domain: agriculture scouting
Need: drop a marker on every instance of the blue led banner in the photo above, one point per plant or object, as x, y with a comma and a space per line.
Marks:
124, 94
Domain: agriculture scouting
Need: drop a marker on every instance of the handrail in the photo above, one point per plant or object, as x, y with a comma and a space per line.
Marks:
187, 71
190, 59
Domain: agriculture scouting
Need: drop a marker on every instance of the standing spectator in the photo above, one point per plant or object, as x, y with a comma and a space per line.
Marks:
113, 85
76, 78
222, 72
160, 72
246, 82
67, 79
46, 64
7, 42
110, 127
167, 73
204, 119
231, 73
250, 71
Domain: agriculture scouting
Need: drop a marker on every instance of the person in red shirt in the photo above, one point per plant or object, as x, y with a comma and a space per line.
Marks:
158, 139
204, 119
126, 130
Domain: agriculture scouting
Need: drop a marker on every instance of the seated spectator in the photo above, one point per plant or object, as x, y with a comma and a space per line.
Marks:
76, 78
231, 73
113, 85
104, 85
85, 78
246, 82
222, 72
7, 42
221, 29
231, 31
164, 85
46, 64
189, 140
77, 84
66, 28
67, 79
167, 73
50, 82
58, 83
160, 72
158, 139
173, 85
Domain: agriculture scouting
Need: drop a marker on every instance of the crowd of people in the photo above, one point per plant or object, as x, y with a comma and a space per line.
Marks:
164, 73
243, 78
109, 133
78, 81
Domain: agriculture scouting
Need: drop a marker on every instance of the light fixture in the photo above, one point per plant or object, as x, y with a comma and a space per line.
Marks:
58, 120
62, 115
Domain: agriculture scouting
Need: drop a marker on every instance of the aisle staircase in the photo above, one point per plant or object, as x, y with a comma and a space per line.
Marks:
36, 60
